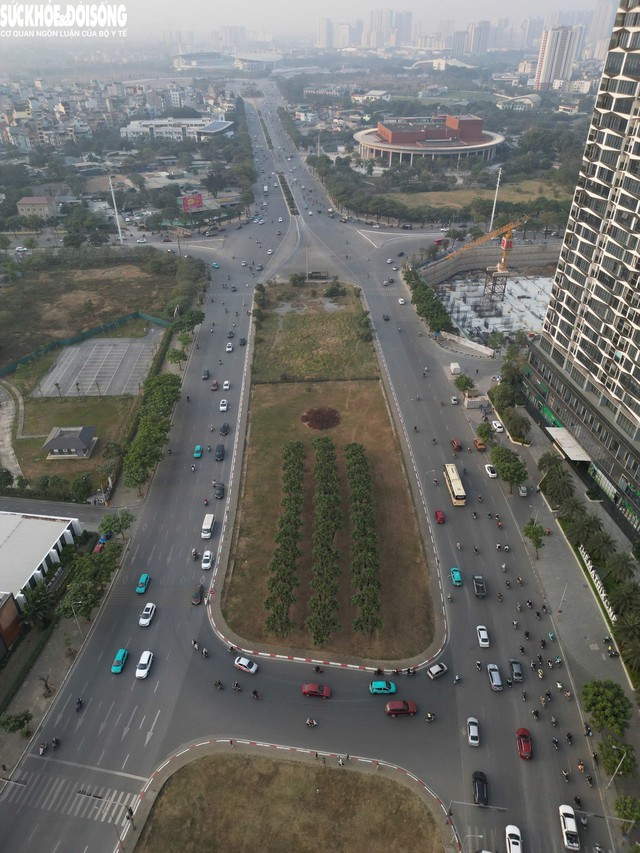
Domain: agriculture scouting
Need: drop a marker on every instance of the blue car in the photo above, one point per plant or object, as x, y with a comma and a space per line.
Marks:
143, 583
215, 265
105, 538
456, 577
382, 687
197, 451
119, 661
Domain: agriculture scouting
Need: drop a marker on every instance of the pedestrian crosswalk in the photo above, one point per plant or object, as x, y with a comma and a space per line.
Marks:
65, 795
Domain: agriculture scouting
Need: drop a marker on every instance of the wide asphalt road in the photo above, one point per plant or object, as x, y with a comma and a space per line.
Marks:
75, 799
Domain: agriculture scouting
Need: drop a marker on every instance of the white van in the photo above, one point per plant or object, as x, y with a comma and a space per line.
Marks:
207, 526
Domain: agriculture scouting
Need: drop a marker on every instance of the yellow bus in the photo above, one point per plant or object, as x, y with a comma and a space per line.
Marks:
454, 484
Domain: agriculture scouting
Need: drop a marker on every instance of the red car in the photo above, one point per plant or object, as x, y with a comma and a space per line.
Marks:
214, 385
455, 443
439, 516
321, 690
400, 709
523, 739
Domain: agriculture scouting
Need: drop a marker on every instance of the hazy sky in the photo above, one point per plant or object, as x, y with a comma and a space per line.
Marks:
295, 16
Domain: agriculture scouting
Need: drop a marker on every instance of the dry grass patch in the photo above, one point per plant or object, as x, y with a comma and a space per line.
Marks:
287, 807
276, 412
521, 192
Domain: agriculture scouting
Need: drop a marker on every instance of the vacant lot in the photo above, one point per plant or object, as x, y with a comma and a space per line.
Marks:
56, 303
522, 192
305, 336
276, 411
246, 803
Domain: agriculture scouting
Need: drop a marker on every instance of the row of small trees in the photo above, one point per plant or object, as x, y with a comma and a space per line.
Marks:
160, 395
283, 565
327, 520
365, 552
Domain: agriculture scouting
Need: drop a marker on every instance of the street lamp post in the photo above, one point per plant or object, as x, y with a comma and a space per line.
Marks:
615, 772
75, 616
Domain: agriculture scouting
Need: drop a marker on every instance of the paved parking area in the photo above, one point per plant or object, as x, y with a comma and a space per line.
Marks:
101, 366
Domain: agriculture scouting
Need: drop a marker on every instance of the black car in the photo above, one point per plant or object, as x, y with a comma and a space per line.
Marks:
231, 334
401, 254
224, 429
196, 596
233, 288
219, 454
385, 316
480, 792
242, 341
219, 491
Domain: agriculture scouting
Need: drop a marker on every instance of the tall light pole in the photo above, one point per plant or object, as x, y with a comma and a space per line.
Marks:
113, 199
615, 772
74, 615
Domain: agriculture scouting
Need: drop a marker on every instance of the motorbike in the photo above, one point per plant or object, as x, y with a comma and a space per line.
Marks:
55, 743
206, 502
219, 685
318, 669
44, 746
237, 687
78, 704
430, 718
311, 723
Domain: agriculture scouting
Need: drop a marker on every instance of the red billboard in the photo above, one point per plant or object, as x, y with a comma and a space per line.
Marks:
191, 202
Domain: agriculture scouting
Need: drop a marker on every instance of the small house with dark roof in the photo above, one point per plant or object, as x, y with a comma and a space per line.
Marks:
72, 442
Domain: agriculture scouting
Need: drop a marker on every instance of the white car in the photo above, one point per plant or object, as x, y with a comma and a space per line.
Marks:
279, 219
395, 268
436, 670
224, 405
492, 474
229, 347
401, 301
147, 615
246, 665
141, 240
454, 401
483, 637
20, 249
243, 264
389, 260
226, 385
269, 251
207, 559
569, 828
311, 213
497, 426
513, 839
144, 664
473, 732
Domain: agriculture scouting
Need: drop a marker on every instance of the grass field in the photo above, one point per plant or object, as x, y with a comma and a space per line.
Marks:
276, 411
58, 303
248, 803
307, 337
521, 192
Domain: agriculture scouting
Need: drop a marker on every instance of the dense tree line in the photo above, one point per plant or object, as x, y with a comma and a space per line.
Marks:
283, 565
365, 552
327, 520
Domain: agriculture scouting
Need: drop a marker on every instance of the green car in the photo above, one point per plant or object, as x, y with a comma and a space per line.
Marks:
456, 577
382, 687
119, 661
215, 265
197, 451
143, 583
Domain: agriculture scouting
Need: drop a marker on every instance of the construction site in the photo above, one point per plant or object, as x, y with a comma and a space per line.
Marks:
496, 283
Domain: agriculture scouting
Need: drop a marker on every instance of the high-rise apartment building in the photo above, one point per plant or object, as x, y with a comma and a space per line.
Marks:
478, 38
600, 31
324, 35
583, 374
558, 49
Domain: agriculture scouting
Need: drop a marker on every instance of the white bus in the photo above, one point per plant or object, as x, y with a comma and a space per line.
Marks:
454, 484
207, 526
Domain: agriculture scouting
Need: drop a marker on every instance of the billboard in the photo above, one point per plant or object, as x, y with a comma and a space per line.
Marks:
191, 202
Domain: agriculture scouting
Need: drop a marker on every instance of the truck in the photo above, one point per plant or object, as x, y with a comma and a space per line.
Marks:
265, 190
207, 526
454, 367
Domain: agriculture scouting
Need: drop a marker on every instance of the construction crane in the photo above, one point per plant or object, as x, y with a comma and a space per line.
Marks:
507, 230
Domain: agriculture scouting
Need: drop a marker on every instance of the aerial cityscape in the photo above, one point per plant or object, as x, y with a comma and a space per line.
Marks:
319, 380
